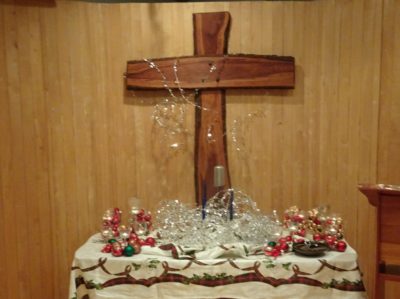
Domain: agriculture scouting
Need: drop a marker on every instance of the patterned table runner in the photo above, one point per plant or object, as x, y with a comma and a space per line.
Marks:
229, 271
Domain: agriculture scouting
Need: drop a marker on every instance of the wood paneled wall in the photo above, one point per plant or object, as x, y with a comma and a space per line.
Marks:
389, 100
73, 143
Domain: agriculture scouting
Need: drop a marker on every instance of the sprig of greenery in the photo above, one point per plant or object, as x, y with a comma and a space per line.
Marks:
344, 282
206, 276
91, 284
136, 266
286, 266
153, 264
269, 263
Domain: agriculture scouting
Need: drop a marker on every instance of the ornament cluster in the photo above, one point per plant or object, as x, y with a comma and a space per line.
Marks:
277, 248
126, 240
316, 225
111, 222
127, 247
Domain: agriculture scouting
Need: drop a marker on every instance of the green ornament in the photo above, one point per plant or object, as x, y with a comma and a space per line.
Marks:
272, 244
129, 250
112, 241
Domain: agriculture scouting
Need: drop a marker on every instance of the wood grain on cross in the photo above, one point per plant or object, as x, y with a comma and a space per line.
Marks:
211, 71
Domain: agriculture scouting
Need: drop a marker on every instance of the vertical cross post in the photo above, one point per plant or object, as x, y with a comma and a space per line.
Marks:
210, 38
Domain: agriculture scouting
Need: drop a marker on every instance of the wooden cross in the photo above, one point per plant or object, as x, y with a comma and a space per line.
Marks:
230, 71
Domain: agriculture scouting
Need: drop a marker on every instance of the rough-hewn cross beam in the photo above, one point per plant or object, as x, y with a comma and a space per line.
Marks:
231, 71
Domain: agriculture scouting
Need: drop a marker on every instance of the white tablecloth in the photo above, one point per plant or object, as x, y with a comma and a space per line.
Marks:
154, 273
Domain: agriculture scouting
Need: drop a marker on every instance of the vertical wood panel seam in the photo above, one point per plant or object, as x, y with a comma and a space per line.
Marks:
49, 162
20, 252
379, 106
3, 267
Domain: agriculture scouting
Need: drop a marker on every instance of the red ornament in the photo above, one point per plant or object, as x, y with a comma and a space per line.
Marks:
116, 249
284, 247
289, 239
282, 240
132, 241
298, 218
107, 248
341, 246
150, 241
298, 240
115, 219
317, 237
133, 236
301, 232
330, 241
275, 252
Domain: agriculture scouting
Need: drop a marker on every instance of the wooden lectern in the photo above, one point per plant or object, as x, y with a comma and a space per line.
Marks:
386, 198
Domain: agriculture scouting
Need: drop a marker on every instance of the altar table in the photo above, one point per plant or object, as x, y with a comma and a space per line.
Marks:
155, 273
